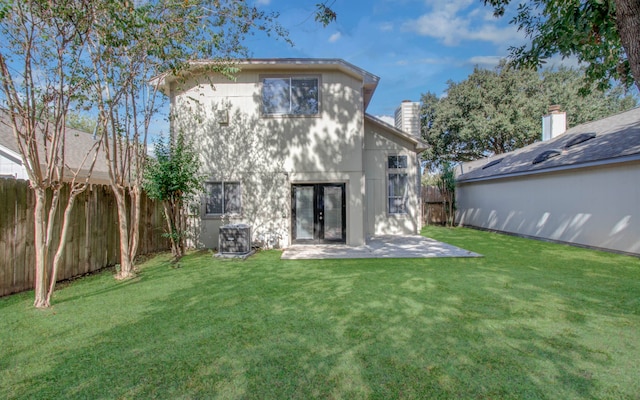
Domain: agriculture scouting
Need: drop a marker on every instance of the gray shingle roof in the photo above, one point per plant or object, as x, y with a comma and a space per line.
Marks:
77, 145
617, 140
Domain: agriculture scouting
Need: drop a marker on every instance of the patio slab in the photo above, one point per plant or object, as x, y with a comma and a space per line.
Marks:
388, 246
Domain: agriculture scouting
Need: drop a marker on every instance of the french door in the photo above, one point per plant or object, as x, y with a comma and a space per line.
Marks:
318, 213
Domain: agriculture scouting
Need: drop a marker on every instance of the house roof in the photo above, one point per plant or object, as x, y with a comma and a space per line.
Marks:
610, 140
77, 145
418, 143
369, 80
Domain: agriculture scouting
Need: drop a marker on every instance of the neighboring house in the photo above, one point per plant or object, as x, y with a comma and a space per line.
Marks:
581, 187
78, 145
288, 148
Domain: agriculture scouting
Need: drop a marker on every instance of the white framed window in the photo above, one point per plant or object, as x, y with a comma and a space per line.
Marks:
397, 184
295, 95
223, 198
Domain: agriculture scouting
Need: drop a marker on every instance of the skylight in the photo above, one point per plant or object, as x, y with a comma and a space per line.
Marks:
492, 163
581, 138
545, 155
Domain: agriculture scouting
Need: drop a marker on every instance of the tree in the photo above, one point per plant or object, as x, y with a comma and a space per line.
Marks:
133, 42
39, 83
173, 178
81, 122
602, 33
496, 111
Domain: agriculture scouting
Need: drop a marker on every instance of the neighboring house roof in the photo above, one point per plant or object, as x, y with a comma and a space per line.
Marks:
419, 144
613, 139
369, 80
77, 145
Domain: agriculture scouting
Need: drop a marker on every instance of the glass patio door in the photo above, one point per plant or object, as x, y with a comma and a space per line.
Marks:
318, 213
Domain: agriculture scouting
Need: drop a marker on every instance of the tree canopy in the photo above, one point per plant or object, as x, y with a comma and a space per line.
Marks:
500, 110
601, 33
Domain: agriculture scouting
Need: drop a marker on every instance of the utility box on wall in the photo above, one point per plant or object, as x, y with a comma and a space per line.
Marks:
234, 239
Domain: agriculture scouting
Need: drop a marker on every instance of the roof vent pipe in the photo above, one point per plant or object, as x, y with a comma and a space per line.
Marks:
554, 124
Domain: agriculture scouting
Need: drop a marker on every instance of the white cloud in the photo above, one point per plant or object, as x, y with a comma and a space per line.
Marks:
452, 22
437, 61
263, 2
557, 61
386, 27
335, 37
485, 61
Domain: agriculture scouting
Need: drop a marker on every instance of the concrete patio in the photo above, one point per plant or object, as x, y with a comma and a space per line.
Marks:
388, 246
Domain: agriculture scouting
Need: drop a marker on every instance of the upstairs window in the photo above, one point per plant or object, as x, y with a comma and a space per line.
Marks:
397, 184
397, 162
222, 198
291, 95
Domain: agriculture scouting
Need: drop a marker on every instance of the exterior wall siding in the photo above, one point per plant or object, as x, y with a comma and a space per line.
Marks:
379, 144
268, 154
596, 207
11, 164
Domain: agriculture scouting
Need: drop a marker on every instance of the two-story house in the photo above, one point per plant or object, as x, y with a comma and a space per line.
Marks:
288, 148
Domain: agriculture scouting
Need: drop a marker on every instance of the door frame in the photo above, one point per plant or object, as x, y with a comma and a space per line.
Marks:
318, 218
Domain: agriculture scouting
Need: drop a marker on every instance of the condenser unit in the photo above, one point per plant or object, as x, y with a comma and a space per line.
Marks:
234, 239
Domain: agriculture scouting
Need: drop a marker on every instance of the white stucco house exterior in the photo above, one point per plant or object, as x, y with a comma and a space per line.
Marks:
580, 187
288, 148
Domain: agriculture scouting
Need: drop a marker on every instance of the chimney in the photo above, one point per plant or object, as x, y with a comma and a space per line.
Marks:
554, 124
407, 117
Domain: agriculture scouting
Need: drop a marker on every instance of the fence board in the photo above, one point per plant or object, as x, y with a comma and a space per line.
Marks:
433, 206
93, 241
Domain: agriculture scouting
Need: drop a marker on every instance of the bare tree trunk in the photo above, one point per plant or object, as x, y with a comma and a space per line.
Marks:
126, 264
63, 240
41, 268
134, 230
182, 227
628, 23
168, 216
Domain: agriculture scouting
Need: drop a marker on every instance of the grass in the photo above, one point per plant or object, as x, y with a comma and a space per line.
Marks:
528, 320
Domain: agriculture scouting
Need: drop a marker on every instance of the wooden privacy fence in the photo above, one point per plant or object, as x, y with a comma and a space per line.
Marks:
93, 241
433, 206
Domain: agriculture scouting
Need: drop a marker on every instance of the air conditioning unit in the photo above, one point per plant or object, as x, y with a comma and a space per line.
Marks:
234, 239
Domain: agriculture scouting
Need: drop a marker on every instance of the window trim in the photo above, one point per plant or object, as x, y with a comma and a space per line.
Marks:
207, 194
264, 114
397, 171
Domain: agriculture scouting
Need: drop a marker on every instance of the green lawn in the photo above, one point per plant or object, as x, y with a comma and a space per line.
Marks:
528, 320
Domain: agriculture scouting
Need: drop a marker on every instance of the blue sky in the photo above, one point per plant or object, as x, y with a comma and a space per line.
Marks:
414, 46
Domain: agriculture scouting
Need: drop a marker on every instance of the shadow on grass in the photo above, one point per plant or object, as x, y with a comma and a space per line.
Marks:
492, 327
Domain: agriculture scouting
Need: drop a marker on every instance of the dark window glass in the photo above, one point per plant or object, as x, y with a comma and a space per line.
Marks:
290, 96
223, 198
397, 162
398, 185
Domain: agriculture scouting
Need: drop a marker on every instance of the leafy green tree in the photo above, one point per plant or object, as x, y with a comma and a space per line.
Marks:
81, 122
496, 111
602, 33
172, 177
